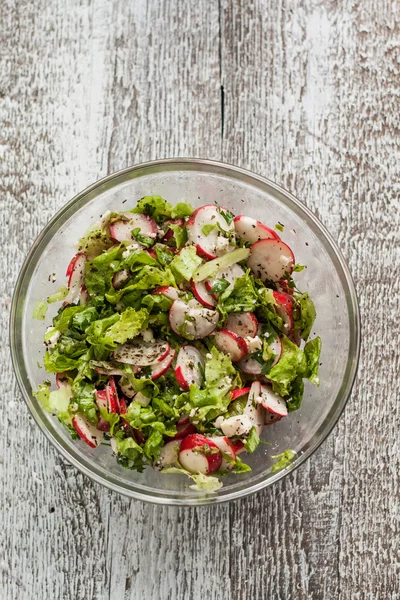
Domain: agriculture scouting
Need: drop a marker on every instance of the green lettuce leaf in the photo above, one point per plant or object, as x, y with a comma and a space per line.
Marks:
186, 262
181, 210
180, 236
242, 297
153, 445
253, 440
291, 364
304, 315
40, 310
55, 402
283, 460
312, 351
59, 295
203, 483
155, 207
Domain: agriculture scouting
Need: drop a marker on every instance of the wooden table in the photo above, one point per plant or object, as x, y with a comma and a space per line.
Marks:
304, 92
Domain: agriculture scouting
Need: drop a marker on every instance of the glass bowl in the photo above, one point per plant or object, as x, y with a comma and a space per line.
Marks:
327, 279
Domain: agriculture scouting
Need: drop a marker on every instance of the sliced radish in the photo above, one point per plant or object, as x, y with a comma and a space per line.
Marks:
161, 367
199, 454
168, 291
242, 323
122, 406
83, 296
226, 447
152, 253
253, 408
272, 402
86, 431
240, 392
184, 430
142, 354
189, 367
112, 396
169, 233
250, 230
76, 277
183, 419
271, 418
101, 401
284, 308
229, 274
238, 446
231, 344
120, 278
203, 296
191, 322
276, 347
121, 230
215, 243
168, 455
62, 380
250, 366
236, 425
270, 259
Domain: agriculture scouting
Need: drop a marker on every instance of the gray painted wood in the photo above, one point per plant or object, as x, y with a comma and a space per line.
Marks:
311, 100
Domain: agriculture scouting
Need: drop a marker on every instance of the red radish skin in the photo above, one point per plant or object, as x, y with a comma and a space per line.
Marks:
121, 230
191, 322
163, 366
244, 324
270, 259
226, 447
284, 308
201, 294
168, 455
61, 380
183, 420
168, 291
83, 296
184, 430
112, 397
76, 277
240, 392
214, 244
231, 344
272, 402
250, 230
169, 234
199, 454
189, 367
122, 406
238, 446
86, 431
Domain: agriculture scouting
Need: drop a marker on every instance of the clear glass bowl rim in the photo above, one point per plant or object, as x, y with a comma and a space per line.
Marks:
325, 238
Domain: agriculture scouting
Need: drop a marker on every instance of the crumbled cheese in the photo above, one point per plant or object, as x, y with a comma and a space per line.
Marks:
219, 422
131, 248
253, 343
147, 335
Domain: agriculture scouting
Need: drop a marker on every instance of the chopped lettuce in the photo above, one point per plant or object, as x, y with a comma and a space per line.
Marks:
40, 310
186, 262
59, 295
202, 483
304, 315
312, 351
159, 209
253, 440
55, 402
283, 460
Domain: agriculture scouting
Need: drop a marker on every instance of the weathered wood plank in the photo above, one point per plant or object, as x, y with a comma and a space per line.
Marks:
311, 101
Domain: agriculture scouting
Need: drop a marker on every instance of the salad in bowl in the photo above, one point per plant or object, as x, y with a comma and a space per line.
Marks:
180, 335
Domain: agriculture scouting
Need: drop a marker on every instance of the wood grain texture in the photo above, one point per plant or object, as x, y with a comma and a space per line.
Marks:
311, 100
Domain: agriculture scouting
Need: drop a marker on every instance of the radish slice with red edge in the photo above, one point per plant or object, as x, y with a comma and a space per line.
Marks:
231, 344
163, 366
101, 401
238, 446
272, 402
112, 397
271, 418
86, 431
199, 454
253, 408
142, 354
240, 392
184, 430
62, 380
168, 291
189, 367
226, 447
121, 230
191, 322
76, 277
214, 243
202, 295
243, 323
168, 455
250, 230
284, 309
276, 347
270, 259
